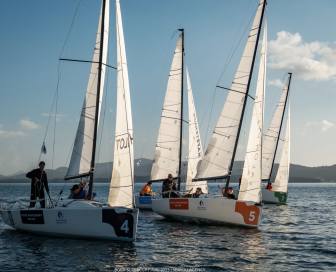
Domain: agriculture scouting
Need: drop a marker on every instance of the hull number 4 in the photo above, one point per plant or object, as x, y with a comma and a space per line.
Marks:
124, 226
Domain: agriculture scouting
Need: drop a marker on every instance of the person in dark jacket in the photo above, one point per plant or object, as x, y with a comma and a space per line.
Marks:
39, 181
230, 193
169, 184
78, 192
196, 194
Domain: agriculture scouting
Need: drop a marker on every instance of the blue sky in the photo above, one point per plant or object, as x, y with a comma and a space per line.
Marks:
301, 39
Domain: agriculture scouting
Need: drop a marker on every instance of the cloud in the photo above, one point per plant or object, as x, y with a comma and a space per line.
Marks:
11, 134
315, 60
275, 82
25, 123
323, 126
58, 116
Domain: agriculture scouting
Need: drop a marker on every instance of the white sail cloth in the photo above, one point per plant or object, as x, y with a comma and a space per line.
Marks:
195, 146
281, 180
219, 153
271, 139
80, 162
167, 150
250, 187
122, 182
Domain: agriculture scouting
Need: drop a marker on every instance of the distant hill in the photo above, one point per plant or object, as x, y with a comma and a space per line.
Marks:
298, 173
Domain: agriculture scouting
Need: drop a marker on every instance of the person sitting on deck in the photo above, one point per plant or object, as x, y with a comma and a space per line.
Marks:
196, 194
146, 190
230, 194
269, 186
79, 193
168, 185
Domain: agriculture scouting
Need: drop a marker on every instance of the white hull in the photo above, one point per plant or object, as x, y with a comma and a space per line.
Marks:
270, 197
144, 202
78, 219
212, 210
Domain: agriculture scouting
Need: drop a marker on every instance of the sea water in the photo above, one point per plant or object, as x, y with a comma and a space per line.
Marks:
299, 236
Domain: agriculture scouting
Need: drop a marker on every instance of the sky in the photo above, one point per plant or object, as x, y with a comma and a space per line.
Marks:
301, 40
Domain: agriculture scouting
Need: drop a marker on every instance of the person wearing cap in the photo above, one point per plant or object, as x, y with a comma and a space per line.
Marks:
168, 185
230, 193
146, 190
79, 192
39, 181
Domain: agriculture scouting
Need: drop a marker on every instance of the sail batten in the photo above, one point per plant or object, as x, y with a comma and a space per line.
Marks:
250, 187
195, 152
122, 181
219, 155
80, 162
167, 151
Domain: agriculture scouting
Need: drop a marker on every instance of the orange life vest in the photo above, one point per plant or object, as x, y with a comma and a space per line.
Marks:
146, 189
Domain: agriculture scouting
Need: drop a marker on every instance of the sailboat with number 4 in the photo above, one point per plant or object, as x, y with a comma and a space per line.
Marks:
118, 219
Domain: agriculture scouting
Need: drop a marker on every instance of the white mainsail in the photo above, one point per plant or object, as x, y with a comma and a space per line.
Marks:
121, 189
80, 162
281, 180
250, 187
195, 146
167, 151
219, 153
271, 139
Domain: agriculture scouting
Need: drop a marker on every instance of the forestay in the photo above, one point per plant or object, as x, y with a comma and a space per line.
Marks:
195, 152
80, 162
121, 190
250, 187
167, 151
281, 180
271, 138
219, 153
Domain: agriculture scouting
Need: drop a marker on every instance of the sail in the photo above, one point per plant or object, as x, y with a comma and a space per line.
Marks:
281, 180
271, 139
121, 189
250, 187
195, 152
219, 153
80, 162
167, 150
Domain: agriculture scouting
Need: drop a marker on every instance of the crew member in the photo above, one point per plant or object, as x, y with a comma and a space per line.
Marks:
269, 186
78, 192
146, 190
196, 194
168, 185
38, 182
230, 193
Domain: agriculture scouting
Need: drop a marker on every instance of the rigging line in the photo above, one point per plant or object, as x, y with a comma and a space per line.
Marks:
157, 93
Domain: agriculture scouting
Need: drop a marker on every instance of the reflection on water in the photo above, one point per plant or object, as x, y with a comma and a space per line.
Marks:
297, 236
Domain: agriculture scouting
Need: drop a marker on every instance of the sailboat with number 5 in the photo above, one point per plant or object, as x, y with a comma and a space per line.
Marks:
118, 219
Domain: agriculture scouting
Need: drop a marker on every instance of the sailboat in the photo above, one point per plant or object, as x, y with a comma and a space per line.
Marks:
271, 142
218, 159
168, 150
116, 220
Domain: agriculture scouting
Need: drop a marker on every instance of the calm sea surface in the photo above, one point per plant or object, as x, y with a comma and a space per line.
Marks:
297, 237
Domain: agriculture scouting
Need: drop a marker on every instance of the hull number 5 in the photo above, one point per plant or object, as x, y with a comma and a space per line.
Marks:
125, 226
252, 217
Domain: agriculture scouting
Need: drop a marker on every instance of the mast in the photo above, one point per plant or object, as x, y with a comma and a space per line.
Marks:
180, 161
245, 100
283, 113
97, 101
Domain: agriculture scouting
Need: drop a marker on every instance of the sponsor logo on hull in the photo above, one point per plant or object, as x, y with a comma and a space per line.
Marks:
201, 205
145, 200
32, 217
61, 217
179, 204
249, 213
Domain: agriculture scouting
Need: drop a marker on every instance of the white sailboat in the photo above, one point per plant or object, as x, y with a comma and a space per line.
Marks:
116, 220
279, 193
218, 159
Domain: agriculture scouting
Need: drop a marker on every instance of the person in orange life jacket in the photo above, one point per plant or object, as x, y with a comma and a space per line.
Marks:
269, 186
39, 181
146, 190
79, 193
